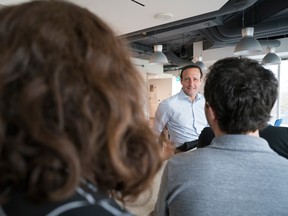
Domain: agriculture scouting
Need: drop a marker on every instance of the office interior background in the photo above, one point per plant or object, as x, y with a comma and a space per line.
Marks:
196, 31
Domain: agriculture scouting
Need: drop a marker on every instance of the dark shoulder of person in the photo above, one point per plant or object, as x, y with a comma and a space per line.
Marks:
205, 137
277, 138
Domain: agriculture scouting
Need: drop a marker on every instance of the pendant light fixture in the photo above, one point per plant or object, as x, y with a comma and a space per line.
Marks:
200, 63
271, 57
248, 44
158, 57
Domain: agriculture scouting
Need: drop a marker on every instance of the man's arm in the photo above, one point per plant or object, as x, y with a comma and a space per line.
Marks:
162, 116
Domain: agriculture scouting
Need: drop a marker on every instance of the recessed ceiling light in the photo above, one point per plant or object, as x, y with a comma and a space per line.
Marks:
164, 16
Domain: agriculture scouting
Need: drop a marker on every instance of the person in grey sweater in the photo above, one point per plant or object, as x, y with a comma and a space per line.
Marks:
238, 173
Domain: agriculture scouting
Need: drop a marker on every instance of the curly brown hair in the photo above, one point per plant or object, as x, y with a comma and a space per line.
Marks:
70, 105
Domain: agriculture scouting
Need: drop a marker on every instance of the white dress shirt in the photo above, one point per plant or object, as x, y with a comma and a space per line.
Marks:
184, 119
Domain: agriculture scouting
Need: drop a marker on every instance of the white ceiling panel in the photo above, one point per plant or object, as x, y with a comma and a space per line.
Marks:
126, 16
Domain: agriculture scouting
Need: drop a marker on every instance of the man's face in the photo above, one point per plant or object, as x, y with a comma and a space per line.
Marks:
191, 81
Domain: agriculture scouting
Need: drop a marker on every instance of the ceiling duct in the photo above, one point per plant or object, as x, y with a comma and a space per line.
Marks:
269, 18
175, 60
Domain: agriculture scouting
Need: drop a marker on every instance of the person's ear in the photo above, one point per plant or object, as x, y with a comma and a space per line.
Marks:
210, 112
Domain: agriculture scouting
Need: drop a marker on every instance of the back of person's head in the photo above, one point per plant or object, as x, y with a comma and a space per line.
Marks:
242, 93
70, 105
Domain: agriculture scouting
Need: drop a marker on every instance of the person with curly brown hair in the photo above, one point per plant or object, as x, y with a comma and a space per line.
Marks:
72, 138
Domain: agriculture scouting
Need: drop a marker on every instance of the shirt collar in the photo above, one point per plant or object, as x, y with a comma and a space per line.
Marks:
183, 95
240, 142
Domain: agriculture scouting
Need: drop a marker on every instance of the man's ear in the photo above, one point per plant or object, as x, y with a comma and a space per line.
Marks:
212, 119
210, 112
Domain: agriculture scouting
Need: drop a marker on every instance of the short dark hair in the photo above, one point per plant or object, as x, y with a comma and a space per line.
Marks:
191, 66
242, 94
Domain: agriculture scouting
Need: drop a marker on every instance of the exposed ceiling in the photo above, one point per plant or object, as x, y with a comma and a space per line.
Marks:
220, 28
217, 23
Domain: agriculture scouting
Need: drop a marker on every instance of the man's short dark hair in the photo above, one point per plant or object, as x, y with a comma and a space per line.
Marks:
242, 93
191, 66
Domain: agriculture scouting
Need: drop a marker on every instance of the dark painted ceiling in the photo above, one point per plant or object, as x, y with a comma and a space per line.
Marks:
216, 29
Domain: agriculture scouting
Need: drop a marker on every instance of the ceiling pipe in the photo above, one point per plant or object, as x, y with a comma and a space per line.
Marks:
213, 34
270, 43
172, 68
228, 33
275, 27
175, 60
255, 16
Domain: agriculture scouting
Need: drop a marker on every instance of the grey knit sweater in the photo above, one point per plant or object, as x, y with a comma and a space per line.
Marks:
235, 175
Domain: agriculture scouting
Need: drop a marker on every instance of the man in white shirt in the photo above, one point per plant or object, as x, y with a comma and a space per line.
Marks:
183, 114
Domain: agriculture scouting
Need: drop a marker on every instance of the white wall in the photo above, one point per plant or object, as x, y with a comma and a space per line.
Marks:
159, 89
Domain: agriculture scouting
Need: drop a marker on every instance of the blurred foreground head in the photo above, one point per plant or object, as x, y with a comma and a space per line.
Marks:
70, 105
